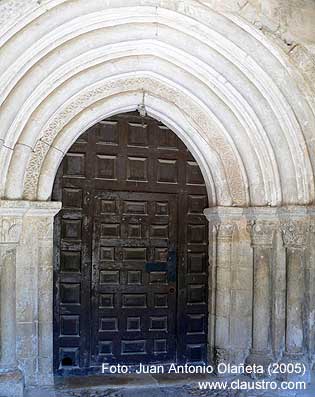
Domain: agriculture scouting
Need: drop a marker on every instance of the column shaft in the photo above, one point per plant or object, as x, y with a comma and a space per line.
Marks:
223, 293
295, 299
295, 237
262, 234
262, 306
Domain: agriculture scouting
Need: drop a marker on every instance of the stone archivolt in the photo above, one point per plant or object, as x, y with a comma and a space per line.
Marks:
240, 120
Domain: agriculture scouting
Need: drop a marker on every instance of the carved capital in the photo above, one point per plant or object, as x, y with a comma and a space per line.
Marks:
10, 229
225, 231
294, 233
222, 355
45, 228
262, 232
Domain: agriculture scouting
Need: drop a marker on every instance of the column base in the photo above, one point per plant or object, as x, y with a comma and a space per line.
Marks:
221, 355
12, 384
295, 358
260, 358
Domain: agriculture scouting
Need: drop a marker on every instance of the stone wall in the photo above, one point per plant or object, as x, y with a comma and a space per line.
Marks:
235, 80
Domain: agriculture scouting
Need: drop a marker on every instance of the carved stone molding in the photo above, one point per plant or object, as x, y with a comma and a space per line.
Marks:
12, 214
12, 10
294, 233
122, 85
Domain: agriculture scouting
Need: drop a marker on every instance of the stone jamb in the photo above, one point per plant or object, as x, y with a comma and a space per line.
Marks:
223, 221
293, 222
11, 378
14, 221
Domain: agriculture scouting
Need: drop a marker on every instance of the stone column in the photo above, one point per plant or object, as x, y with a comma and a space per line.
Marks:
262, 234
223, 292
11, 378
227, 222
295, 234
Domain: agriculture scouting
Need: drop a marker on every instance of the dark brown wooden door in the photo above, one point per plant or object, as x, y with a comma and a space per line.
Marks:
131, 243
134, 277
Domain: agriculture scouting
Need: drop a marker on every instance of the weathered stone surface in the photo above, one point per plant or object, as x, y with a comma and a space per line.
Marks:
159, 390
235, 79
26, 327
11, 384
251, 153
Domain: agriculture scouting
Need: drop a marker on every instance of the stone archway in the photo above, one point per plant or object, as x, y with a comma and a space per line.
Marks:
227, 92
242, 108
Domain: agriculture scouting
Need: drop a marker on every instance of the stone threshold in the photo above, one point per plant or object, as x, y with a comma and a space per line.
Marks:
150, 386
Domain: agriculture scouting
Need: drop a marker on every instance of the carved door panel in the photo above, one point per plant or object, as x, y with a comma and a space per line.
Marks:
134, 278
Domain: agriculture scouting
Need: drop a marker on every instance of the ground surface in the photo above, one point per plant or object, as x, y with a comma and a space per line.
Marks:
146, 387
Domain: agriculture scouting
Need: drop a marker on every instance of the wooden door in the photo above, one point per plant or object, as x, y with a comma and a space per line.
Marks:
131, 244
134, 278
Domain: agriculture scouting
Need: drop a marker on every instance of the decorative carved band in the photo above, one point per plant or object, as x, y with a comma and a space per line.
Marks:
122, 85
13, 214
11, 11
